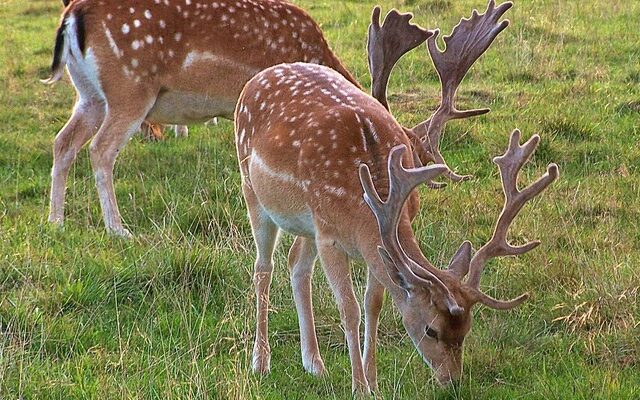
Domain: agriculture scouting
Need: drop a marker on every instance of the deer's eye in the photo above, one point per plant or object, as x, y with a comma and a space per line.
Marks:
432, 333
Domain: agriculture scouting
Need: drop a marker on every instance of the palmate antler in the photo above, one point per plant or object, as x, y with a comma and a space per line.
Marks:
468, 41
388, 213
509, 164
387, 43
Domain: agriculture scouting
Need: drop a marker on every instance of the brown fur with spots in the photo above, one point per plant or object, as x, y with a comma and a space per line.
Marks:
316, 156
164, 62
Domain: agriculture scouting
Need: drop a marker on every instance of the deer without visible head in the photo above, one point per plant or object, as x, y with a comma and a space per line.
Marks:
166, 62
155, 132
317, 155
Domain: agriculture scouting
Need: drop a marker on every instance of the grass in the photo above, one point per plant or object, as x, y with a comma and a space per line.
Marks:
170, 313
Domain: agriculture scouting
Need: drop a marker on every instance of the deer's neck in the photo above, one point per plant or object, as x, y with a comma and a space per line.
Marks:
410, 245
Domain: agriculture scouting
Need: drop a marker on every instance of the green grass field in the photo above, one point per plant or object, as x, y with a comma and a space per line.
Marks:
170, 314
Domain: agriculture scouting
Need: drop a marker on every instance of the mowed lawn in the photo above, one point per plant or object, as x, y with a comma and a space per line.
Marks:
170, 314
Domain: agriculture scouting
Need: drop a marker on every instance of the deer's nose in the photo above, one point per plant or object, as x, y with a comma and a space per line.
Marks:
447, 378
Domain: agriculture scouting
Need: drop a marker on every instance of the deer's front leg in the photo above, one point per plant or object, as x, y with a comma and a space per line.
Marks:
301, 258
373, 298
336, 267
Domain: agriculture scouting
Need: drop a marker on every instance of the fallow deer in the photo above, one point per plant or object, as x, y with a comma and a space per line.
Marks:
167, 62
154, 132
316, 156
151, 131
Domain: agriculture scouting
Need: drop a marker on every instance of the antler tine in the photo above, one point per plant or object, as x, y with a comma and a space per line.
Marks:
401, 183
466, 43
434, 151
496, 304
387, 44
510, 164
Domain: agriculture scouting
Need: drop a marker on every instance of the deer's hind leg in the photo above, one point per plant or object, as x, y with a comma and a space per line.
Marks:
126, 111
265, 234
87, 117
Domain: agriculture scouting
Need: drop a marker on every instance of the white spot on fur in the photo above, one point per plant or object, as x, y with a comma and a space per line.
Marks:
364, 140
338, 191
372, 128
125, 28
257, 161
112, 43
218, 61
241, 136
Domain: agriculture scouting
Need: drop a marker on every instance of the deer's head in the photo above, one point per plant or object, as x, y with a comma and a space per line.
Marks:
436, 303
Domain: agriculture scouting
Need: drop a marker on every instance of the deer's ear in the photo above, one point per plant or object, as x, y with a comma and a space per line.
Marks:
459, 264
393, 271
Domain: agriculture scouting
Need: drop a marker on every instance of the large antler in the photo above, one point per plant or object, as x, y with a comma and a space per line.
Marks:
509, 164
387, 44
401, 183
467, 42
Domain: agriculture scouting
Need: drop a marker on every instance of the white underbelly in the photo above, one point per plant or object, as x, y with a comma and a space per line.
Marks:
175, 107
298, 225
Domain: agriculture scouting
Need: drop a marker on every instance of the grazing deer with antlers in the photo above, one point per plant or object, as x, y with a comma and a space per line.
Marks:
164, 62
317, 155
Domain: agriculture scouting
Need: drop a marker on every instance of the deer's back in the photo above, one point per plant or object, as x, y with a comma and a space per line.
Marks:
304, 130
190, 51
